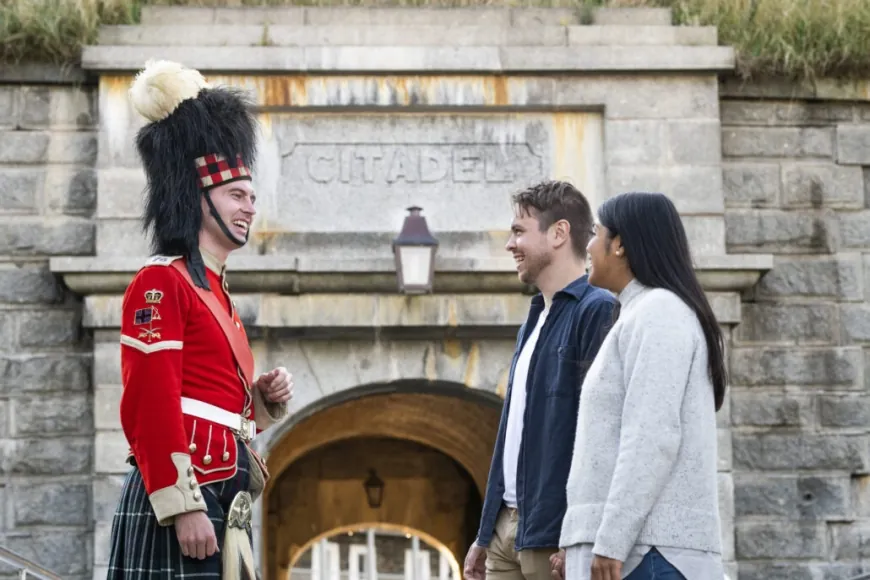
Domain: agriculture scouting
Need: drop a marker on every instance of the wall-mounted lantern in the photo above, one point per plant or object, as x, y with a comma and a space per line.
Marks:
414, 250
374, 487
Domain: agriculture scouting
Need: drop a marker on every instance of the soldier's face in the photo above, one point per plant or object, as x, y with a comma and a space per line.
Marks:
234, 203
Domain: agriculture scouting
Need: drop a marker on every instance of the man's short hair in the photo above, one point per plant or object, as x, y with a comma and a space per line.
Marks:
559, 200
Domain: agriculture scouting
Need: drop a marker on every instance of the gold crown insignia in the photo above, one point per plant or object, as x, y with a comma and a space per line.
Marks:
153, 297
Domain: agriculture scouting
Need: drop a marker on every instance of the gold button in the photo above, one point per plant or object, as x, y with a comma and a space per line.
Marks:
190, 470
197, 496
192, 484
247, 412
238, 325
226, 456
192, 448
206, 460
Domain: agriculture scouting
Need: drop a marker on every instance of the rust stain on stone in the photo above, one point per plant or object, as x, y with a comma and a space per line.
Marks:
471, 365
452, 348
568, 133
501, 387
496, 91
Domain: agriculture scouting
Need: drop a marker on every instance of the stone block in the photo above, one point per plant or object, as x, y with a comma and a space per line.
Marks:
771, 410
783, 113
65, 552
121, 193
751, 184
665, 97
861, 496
787, 452
694, 142
706, 235
126, 238
8, 330
8, 107
839, 278
777, 142
19, 188
635, 142
780, 570
42, 328
102, 542
400, 16
850, 541
28, 284
52, 504
107, 363
844, 410
855, 321
58, 107
780, 539
694, 190
536, 17
835, 368
822, 185
107, 493
640, 35
806, 232
69, 373
70, 189
798, 324
805, 497
110, 449
47, 236
24, 147
49, 416
853, 144
632, 16
66, 456
725, 486
107, 407
79, 147
855, 229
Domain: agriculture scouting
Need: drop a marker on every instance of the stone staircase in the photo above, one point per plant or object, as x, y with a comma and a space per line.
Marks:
338, 39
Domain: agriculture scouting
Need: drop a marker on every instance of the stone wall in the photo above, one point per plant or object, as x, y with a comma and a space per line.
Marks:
47, 196
797, 181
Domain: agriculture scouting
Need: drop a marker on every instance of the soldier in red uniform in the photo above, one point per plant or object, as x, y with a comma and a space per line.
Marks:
191, 404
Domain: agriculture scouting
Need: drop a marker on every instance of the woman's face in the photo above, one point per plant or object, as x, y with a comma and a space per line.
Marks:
604, 262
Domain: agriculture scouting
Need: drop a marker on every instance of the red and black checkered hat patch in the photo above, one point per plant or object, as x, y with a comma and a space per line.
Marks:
215, 170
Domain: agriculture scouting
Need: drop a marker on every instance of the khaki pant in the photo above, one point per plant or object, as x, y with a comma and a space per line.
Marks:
503, 562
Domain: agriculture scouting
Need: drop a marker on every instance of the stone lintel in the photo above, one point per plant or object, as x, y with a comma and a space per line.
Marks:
335, 315
289, 275
421, 59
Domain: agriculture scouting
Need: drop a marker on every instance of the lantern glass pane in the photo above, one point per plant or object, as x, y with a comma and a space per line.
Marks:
416, 265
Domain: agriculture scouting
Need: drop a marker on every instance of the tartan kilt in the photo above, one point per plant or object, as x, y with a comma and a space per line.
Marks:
141, 549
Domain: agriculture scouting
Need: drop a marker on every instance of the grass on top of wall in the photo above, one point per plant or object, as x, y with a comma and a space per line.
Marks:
801, 39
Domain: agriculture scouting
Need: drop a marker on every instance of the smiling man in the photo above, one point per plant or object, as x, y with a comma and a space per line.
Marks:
191, 404
525, 496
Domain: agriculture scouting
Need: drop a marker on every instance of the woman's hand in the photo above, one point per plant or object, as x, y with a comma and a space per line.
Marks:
606, 569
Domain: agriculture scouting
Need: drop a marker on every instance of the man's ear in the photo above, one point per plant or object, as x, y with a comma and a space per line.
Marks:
561, 232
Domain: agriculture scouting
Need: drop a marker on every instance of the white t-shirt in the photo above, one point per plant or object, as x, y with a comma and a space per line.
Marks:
514, 432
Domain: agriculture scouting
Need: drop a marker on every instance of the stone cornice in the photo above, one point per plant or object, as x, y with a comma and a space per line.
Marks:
284, 274
417, 59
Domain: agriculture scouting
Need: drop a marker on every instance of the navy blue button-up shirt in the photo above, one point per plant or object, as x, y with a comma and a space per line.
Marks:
569, 339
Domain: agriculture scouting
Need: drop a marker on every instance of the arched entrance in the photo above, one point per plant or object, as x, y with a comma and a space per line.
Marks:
429, 442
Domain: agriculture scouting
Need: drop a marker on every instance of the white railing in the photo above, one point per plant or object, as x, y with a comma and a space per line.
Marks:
25, 567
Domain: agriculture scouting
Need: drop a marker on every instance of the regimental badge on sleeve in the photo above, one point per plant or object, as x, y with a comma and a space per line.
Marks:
143, 316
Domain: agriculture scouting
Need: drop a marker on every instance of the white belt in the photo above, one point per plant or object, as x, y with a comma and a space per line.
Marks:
244, 428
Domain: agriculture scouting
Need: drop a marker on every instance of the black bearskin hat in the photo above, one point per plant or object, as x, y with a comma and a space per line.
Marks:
198, 137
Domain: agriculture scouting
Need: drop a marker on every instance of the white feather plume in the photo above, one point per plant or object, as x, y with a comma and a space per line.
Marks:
163, 85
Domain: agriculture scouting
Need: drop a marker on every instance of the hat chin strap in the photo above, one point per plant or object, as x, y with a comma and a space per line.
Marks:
213, 211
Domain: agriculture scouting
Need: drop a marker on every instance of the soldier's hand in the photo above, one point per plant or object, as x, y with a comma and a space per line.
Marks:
196, 535
276, 385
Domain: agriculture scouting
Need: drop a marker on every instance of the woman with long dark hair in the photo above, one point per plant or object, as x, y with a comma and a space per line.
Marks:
642, 492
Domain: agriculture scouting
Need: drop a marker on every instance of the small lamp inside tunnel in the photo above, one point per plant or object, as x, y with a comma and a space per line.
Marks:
414, 250
374, 487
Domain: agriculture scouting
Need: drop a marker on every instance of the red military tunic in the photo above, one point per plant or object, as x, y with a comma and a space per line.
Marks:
172, 347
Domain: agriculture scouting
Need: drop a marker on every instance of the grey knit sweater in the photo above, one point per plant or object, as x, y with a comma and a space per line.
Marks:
644, 464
